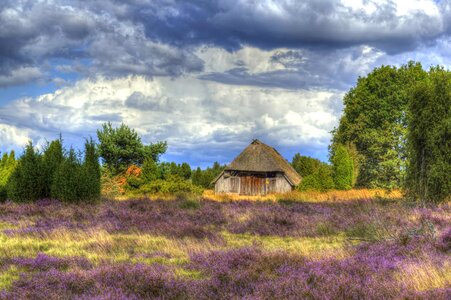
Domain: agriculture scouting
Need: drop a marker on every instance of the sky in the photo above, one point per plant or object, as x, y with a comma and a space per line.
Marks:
207, 76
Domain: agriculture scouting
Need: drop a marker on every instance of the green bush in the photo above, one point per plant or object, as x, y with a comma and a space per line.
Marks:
320, 180
7, 166
65, 186
27, 181
75, 181
172, 185
342, 168
53, 156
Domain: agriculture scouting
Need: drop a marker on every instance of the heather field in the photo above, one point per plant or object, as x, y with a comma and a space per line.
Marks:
219, 248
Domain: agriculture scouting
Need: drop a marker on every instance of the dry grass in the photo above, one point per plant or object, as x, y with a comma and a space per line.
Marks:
312, 196
425, 276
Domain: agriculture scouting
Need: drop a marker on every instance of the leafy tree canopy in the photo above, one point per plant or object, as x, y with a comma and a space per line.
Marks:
122, 146
375, 121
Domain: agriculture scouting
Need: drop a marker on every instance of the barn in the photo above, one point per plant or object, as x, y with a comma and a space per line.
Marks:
258, 170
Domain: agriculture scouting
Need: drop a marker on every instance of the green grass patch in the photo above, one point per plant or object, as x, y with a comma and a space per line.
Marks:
8, 276
306, 246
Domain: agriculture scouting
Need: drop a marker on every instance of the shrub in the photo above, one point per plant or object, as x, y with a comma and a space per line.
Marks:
173, 184
27, 181
320, 180
342, 168
65, 186
75, 181
7, 166
53, 156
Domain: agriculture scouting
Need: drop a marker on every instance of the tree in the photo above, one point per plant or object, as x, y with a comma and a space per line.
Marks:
319, 180
53, 156
27, 181
122, 147
342, 168
90, 180
68, 176
305, 165
375, 121
429, 138
185, 171
7, 166
205, 177
150, 170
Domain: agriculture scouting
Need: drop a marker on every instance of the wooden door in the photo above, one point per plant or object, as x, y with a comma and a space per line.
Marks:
252, 185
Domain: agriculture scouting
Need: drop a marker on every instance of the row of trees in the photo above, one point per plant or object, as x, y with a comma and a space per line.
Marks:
396, 129
52, 173
317, 175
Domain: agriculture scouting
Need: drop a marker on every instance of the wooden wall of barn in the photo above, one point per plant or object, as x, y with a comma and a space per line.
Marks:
250, 185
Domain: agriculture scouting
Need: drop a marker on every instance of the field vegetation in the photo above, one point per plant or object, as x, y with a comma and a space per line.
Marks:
115, 222
201, 248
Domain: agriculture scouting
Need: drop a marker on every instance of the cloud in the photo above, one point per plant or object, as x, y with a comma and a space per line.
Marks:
392, 26
163, 37
19, 76
93, 40
202, 121
287, 68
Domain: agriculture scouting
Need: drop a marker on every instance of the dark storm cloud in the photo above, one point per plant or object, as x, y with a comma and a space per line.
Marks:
159, 38
32, 33
305, 69
293, 24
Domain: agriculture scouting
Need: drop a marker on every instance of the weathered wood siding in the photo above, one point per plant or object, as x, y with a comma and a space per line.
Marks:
248, 184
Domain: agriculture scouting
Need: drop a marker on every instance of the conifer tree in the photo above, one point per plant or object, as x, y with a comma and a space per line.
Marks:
342, 168
52, 158
429, 138
27, 181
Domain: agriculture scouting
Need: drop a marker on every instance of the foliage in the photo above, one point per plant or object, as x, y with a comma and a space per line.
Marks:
429, 138
52, 158
375, 121
54, 174
321, 180
342, 168
7, 166
141, 249
305, 165
27, 182
121, 147
151, 171
316, 175
171, 185
166, 169
66, 183
204, 178
91, 172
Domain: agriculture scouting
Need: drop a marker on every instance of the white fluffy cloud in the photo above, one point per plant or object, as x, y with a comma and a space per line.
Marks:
201, 120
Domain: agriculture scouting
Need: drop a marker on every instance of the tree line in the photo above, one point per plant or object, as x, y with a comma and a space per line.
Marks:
395, 132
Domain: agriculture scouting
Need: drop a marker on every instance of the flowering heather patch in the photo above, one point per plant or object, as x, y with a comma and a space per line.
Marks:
135, 249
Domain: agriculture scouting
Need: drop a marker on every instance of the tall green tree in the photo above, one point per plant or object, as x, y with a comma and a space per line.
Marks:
375, 121
27, 181
90, 180
122, 147
68, 176
150, 171
342, 168
305, 165
7, 167
429, 138
53, 156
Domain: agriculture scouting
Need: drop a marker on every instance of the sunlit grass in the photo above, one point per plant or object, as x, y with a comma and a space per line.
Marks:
423, 276
311, 247
312, 196
8, 276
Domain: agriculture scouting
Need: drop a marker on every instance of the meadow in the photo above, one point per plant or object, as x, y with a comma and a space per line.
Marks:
337, 245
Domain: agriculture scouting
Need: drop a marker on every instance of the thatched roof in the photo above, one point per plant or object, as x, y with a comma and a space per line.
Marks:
259, 157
